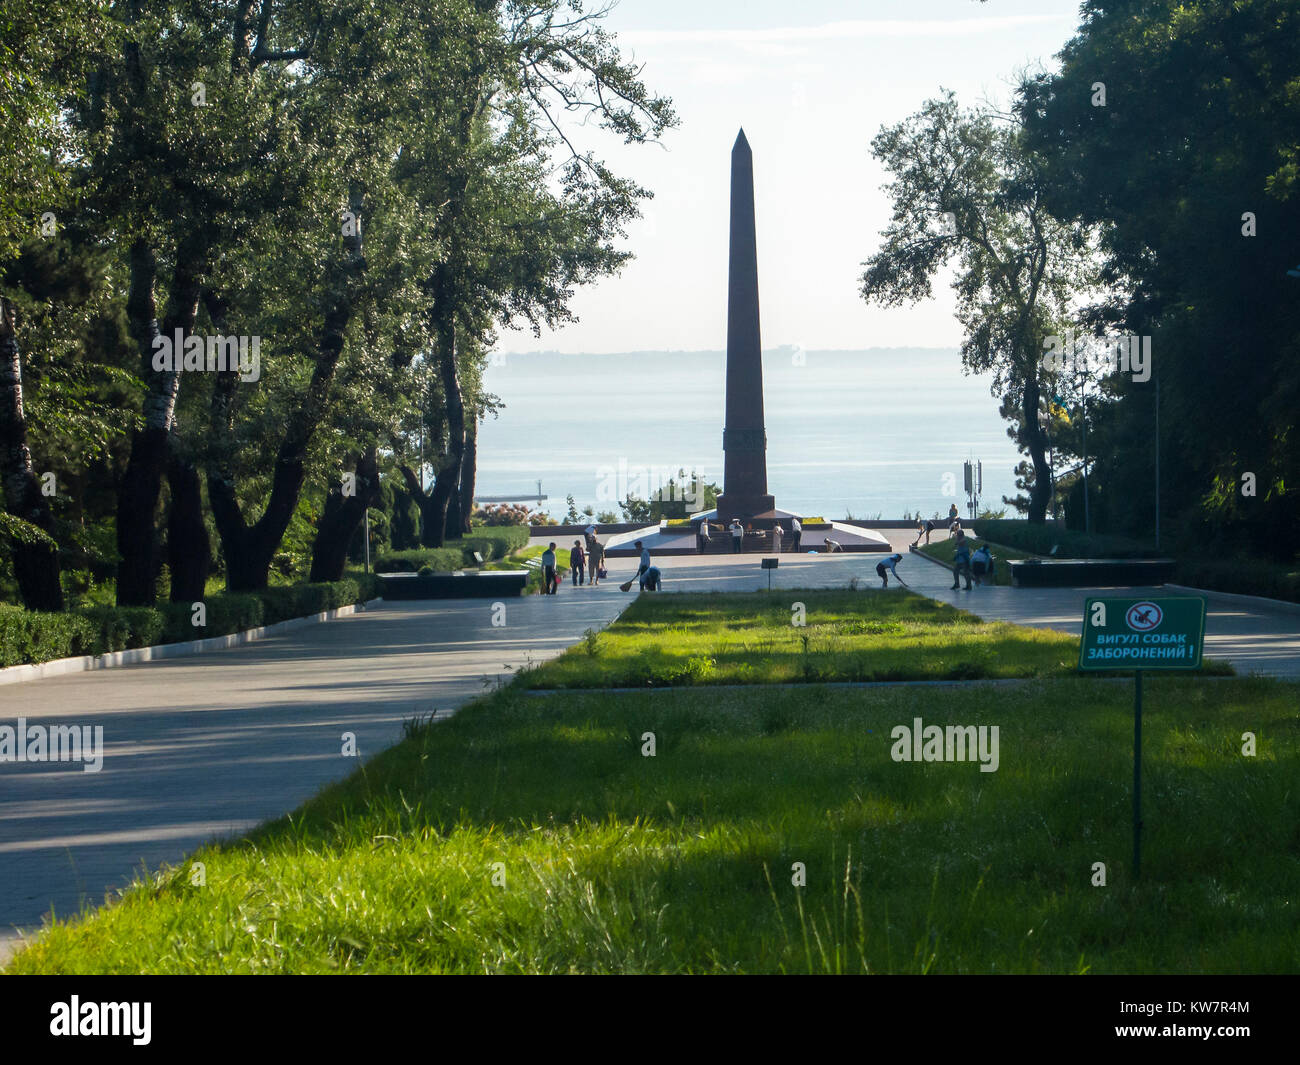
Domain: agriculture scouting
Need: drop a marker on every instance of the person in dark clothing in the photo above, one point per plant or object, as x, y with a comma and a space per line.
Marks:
577, 563
961, 563
549, 580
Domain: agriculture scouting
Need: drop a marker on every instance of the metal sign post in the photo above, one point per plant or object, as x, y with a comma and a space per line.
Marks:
1141, 634
770, 564
1137, 775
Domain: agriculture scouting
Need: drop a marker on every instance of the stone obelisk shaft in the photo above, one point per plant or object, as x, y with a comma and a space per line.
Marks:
744, 436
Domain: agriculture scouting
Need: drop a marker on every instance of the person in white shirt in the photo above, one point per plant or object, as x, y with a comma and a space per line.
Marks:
645, 565
889, 564
737, 535
776, 539
796, 530
703, 538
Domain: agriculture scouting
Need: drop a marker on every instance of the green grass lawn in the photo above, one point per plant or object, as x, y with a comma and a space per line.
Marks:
531, 834
944, 550
516, 561
862, 635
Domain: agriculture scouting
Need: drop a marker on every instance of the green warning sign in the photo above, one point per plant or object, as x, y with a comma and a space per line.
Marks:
1164, 633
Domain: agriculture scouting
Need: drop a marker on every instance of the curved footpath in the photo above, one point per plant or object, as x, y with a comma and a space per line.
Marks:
210, 745
213, 744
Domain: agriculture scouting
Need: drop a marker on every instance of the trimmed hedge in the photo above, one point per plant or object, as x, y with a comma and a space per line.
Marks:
492, 542
1040, 539
29, 637
1243, 576
35, 637
438, 558
120, 628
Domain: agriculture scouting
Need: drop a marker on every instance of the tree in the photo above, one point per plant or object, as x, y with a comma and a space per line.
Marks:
964, 187
50, 39
1191, 164
519, 233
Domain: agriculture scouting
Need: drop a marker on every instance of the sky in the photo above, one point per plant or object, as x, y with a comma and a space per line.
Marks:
811, 83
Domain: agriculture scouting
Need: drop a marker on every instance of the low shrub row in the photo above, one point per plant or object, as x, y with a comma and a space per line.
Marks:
1040, 539
29, 637
412, 561
492, 542
1243, 576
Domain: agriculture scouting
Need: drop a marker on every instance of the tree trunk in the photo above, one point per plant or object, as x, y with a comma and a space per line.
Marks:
447, 481
340, 518
189, 554
468, 470
423, 500
137, 497
36, 564
453, 510
249, 549
1040, 492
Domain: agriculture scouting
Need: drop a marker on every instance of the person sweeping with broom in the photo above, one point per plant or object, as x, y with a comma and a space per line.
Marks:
642, 569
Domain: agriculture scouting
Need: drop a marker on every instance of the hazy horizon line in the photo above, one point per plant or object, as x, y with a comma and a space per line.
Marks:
781, 349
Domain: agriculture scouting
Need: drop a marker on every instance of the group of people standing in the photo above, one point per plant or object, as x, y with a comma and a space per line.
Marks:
586, 563
737, 532
970, 564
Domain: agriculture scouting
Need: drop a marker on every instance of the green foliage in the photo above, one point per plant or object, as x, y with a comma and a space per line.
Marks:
492, 542
120, 628
499, 541
682, 863
1245, 576
682, 496
965, 187
510, 514
24, 532
439, 559
686, 639
27, 636
1041, 539
1202, 104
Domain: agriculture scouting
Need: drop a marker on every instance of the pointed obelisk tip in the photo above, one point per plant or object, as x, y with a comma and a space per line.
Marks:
742, 144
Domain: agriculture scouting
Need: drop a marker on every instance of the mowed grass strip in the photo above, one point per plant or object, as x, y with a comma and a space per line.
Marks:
530, 835
846, 635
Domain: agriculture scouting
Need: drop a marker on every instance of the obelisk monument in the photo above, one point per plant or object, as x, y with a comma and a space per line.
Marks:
744, 436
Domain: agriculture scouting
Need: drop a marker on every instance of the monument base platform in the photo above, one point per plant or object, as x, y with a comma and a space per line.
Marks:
747, 508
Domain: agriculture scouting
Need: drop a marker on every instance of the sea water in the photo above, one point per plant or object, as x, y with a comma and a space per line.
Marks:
865, 433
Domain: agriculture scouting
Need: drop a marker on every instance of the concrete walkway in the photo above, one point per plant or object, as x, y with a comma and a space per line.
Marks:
211, 745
